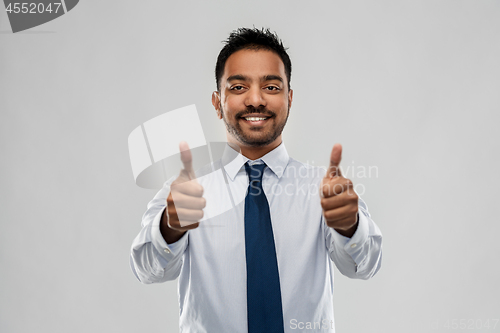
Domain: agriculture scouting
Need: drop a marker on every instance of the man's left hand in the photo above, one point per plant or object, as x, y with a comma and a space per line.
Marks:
338, 199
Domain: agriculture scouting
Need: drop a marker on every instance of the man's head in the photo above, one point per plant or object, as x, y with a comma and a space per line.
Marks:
253, 82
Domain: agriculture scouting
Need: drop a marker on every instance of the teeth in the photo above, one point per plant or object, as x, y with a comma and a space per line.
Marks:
255, 118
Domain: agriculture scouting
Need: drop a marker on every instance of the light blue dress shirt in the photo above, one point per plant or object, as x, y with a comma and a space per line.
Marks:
210, 260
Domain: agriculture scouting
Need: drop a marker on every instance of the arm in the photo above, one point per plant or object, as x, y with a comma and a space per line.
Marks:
153, 260
360, 256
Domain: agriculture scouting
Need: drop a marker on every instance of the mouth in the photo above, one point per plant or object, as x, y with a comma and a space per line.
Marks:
255, 120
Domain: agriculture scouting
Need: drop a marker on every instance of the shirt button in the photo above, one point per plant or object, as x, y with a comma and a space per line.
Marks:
353, 245
166, 250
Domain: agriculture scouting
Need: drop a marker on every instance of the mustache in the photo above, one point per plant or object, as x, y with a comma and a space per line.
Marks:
253, 110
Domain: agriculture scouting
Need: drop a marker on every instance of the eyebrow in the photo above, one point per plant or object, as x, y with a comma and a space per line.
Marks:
273, 77
239, 77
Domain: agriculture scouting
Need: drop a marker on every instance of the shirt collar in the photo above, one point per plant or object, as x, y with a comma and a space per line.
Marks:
276, 160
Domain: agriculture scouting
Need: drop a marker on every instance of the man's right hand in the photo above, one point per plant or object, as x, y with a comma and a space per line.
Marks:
185, 201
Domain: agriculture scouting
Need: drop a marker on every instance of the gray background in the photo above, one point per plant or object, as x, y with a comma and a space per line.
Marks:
411, 87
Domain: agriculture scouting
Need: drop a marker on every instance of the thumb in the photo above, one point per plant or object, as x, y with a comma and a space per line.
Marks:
335, 158
187, 159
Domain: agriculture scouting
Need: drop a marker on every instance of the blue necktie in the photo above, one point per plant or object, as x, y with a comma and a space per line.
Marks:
265, 314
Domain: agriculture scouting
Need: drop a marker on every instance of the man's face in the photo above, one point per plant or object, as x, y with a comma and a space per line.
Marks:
254, 86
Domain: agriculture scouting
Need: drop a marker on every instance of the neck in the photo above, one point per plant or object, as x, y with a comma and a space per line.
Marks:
253, 153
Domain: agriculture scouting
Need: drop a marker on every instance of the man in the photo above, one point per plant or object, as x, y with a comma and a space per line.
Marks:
266, 264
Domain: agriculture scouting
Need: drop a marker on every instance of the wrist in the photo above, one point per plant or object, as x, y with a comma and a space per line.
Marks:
170, 235
350, 231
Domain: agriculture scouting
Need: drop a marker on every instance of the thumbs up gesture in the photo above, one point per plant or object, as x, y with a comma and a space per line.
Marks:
339, 201
185, 202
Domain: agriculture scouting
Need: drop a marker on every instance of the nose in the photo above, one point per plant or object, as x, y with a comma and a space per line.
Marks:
255, 97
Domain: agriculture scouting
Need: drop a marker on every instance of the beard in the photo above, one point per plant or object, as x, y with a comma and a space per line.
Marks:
250, 140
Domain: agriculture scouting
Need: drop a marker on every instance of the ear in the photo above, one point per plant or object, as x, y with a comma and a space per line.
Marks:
290, 98
216, 103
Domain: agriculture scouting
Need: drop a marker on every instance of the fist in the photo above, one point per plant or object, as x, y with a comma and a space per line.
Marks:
338, 199
185, 201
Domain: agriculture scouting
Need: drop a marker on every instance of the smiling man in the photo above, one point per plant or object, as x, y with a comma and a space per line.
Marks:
266, 264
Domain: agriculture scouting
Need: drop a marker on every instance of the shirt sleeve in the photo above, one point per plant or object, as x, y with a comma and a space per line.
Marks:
360, 256
153, 260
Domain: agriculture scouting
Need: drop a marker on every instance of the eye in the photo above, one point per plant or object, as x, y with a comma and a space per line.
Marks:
237, 88
272, 88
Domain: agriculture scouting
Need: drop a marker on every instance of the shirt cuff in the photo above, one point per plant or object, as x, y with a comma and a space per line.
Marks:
167, 252
351, 245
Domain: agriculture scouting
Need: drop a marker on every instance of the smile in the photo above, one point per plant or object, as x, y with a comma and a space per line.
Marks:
255, 121
255, 118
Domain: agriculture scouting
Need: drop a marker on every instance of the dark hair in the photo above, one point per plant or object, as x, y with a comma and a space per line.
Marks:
254, 39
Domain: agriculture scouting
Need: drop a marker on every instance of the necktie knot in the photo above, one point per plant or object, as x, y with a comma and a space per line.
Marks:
255, 172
